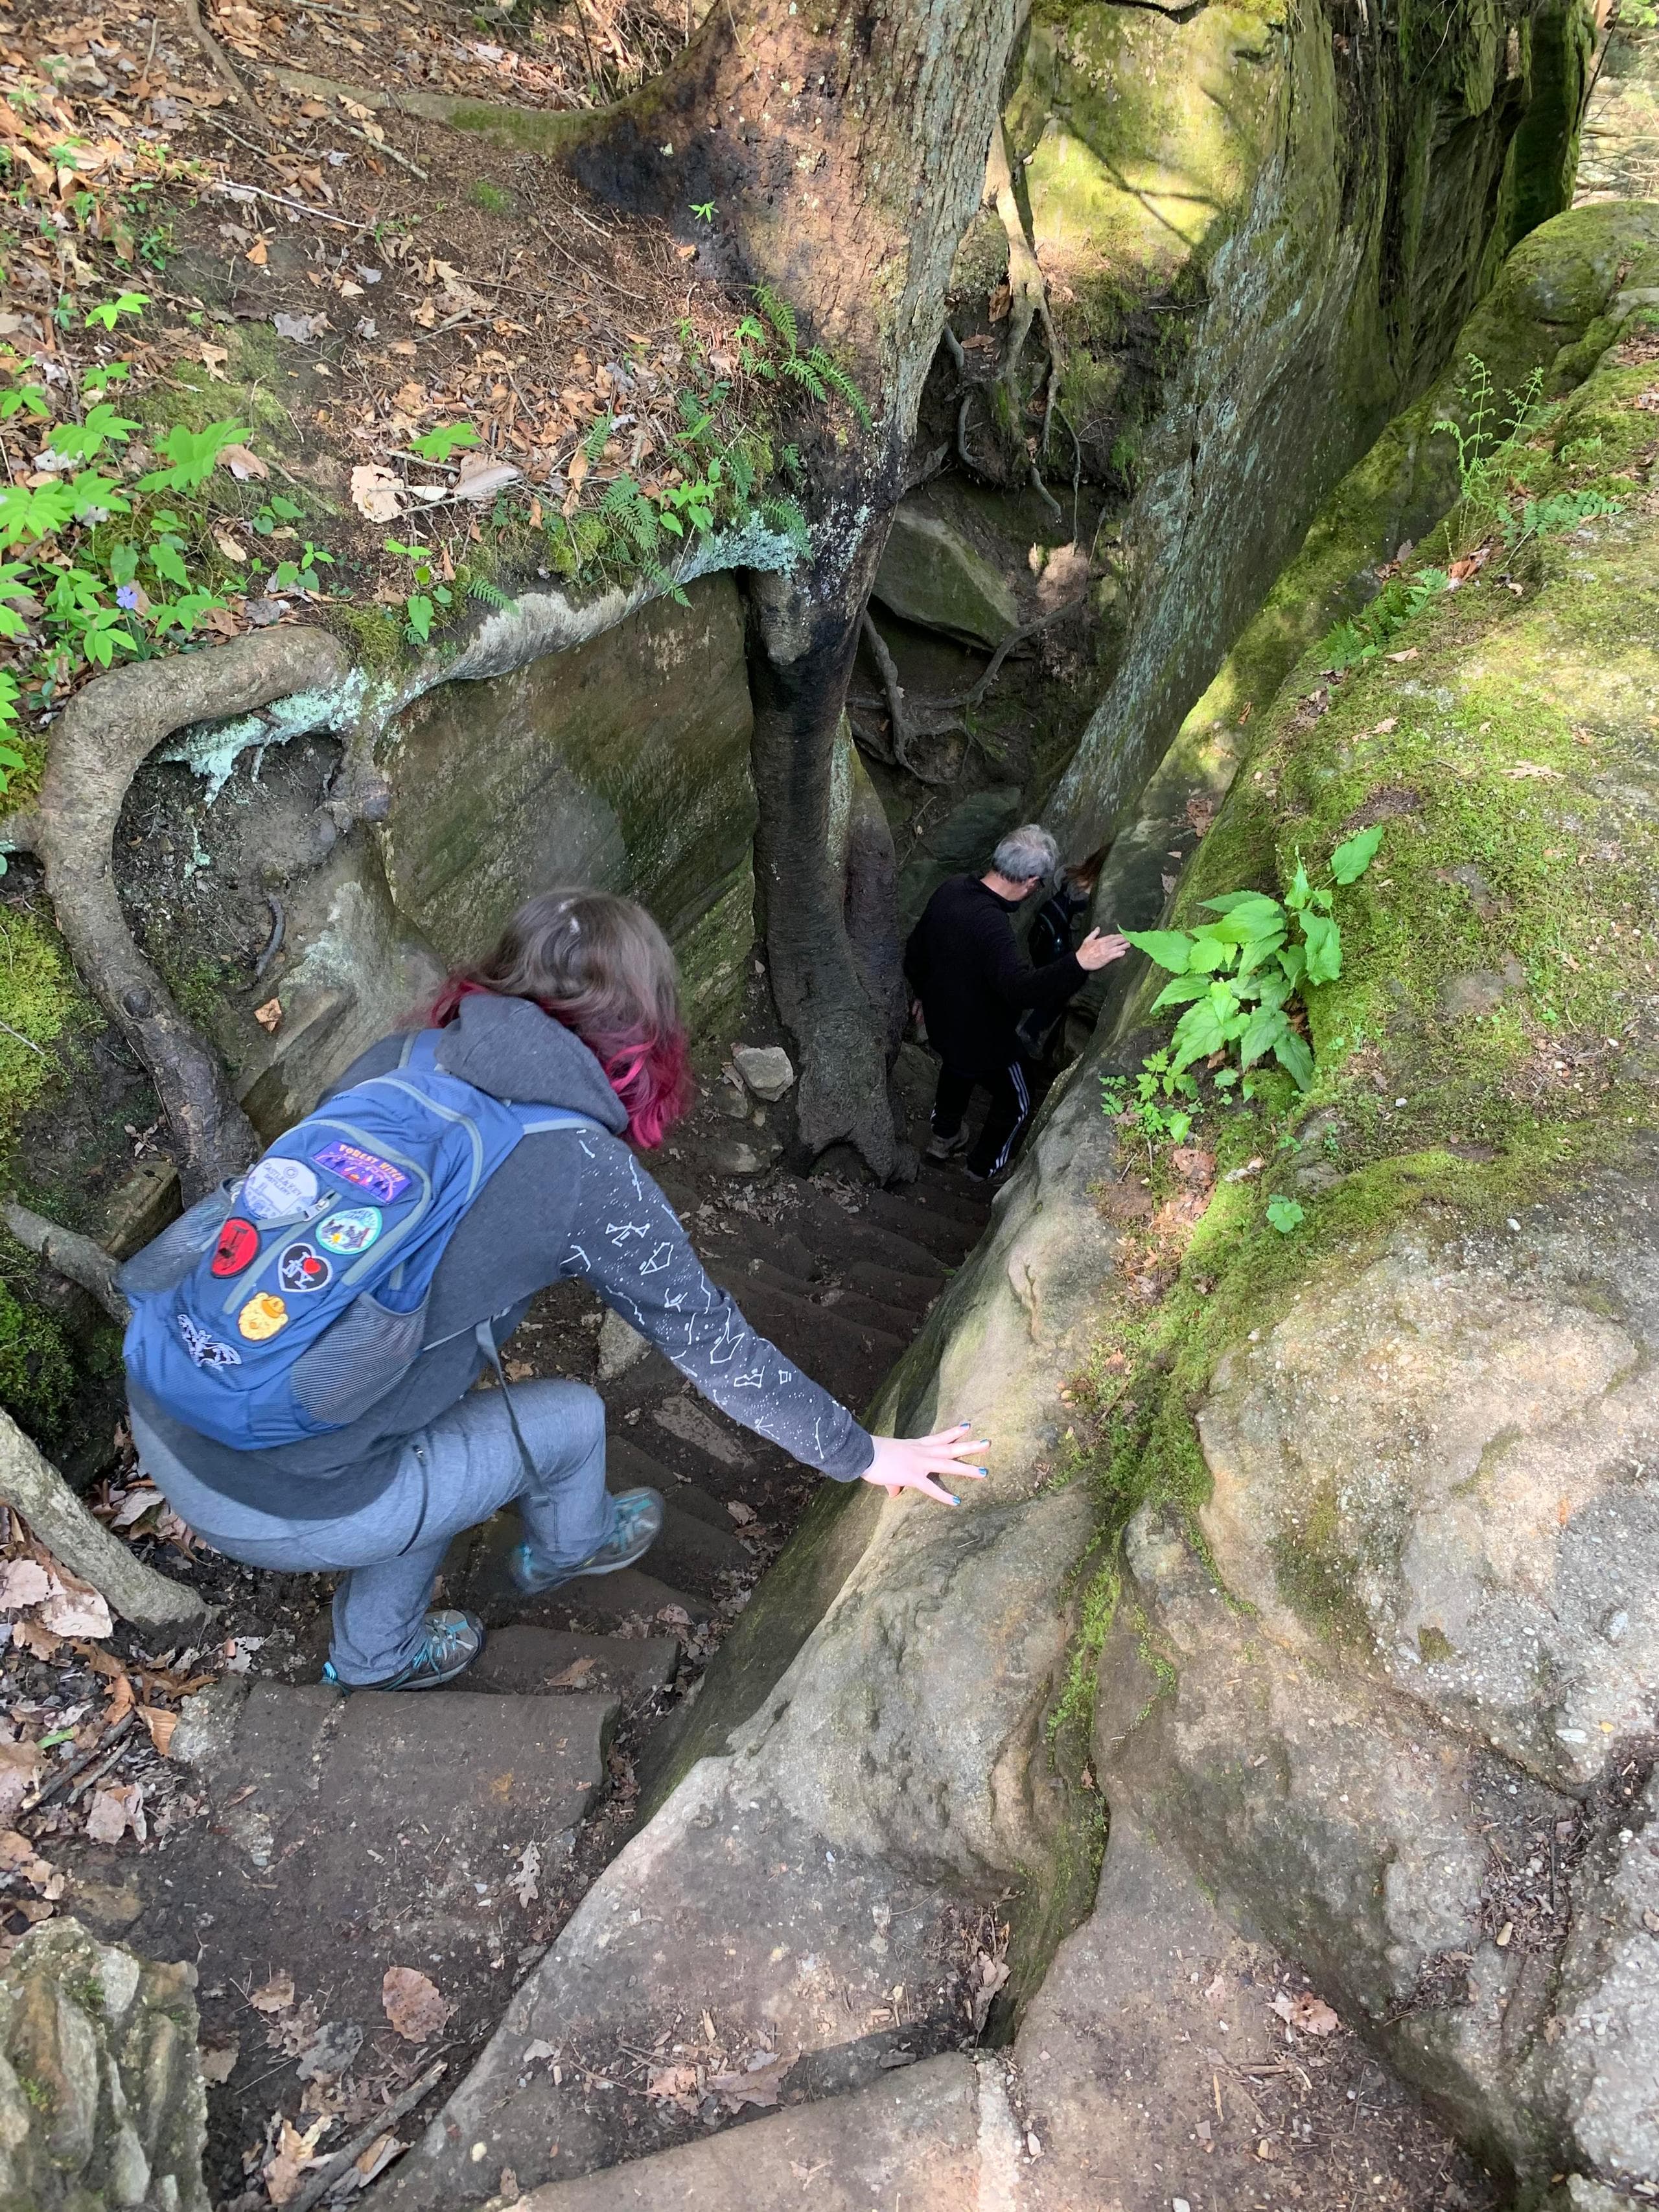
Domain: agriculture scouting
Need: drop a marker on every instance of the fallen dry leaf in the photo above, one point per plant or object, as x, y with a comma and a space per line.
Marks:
230, 547
276, 1996
757, 2083
573, 1676
269, 1016
742, 1514
23, 1582
1524, 769
379, 2153
160, 1725
1305, 2011
243, 462
412, 2003
19, 1764
284, 2174
257, 253
677, 2083
115, 1809
1410, 653
36, 1639
376, 492
219, 2063
76, 1612
522, 1879
481, 478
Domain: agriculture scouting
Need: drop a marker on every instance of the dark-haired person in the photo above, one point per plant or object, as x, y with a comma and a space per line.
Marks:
577, 1009
973, 985
1053, 927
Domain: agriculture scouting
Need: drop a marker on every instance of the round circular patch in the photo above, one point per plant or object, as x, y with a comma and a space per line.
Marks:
302, 1268
238, 1247
353, 1229
262, 1316
278, 1187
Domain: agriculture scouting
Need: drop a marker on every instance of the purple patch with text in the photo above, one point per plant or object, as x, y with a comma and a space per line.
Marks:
354, 1165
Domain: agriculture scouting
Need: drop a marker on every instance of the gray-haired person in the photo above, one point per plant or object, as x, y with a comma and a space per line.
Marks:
973, 984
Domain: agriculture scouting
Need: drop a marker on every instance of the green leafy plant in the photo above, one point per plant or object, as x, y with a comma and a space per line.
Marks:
1140, 1097
421, 606
290, 576
17, 397
192, 455
703, 211
1490, 443
276, 512
1555, 515
105, 312
437, 444
1372, 631
1239, 976
1283, 1214
816, 370
84, 440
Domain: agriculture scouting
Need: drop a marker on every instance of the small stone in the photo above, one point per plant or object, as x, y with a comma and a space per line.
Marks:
1615, 1625
620, 1346
732, 1157
766, 1068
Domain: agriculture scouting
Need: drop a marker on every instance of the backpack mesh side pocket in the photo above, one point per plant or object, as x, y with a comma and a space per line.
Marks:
168, 1258
368, 1351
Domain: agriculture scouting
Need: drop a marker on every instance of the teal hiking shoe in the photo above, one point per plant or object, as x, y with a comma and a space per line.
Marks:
453, 1641
639, 1524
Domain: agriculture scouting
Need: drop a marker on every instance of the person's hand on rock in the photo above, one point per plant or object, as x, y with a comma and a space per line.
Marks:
911, 1462
1098, 952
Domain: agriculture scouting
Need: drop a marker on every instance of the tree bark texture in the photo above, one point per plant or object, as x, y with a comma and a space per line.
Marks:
106, 731
845, 150
32, 1486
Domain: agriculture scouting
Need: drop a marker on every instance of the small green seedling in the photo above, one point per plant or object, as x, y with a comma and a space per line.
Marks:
1283, 1214
447, 438
105, 313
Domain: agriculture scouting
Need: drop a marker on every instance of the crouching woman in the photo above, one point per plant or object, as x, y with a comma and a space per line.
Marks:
575, 1012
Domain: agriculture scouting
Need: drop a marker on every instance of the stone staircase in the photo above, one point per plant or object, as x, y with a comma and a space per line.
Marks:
346, 1833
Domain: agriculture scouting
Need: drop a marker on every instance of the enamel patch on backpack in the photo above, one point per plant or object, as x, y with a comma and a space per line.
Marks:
238, 1247
263, 1316
302, 1268
354, 1165
353, 1229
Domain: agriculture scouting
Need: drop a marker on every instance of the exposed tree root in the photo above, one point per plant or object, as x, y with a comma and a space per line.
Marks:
105, 733
1028, 290
32, 1486
75, 1257
220, 62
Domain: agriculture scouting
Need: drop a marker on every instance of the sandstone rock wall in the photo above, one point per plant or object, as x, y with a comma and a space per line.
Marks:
101, 2102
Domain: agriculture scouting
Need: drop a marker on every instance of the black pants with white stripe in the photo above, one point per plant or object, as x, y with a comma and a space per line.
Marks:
1011, 1109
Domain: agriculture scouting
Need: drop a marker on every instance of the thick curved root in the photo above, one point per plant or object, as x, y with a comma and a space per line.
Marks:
105, 733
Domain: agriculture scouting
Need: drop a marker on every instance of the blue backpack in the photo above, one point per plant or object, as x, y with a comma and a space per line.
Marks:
286, 1305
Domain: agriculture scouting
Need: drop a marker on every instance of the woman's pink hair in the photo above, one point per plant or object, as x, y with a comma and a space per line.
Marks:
600, 965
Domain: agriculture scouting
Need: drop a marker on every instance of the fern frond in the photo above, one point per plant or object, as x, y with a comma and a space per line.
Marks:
594, 443
799, 366
831, 373
785, 517
487, 594
779, 313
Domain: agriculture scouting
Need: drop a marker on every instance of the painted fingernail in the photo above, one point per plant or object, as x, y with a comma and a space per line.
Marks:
983, 1470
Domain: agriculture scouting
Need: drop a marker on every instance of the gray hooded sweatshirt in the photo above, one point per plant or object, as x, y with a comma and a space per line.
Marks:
567, 1202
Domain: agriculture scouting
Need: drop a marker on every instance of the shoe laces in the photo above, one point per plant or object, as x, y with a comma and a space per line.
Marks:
444, 1640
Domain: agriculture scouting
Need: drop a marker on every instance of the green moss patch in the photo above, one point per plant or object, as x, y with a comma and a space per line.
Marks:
40, 1000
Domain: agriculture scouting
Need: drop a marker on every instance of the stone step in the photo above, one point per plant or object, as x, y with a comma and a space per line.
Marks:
912, 1293
847, 1357
692, 1551
531, 1661
947, 1194
478, 1577
628, 1467
936, 2136
349, 1831
825, 1223
857, 1307
947, 1237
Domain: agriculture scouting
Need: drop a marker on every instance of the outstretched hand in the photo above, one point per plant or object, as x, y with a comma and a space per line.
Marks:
1098, 952
911, 1462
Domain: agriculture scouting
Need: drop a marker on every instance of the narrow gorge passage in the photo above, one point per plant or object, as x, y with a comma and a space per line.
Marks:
455, 1833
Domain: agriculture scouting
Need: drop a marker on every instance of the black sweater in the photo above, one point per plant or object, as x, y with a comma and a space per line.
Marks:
964, 965
568, 1202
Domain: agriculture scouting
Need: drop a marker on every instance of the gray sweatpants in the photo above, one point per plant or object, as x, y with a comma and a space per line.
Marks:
450, 1476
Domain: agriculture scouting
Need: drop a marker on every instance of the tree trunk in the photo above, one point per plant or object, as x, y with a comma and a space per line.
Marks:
844, 148
32, 1486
